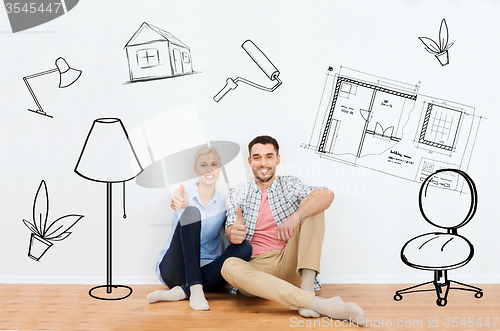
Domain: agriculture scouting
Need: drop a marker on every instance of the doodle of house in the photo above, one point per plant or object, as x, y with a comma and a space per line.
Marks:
153, 53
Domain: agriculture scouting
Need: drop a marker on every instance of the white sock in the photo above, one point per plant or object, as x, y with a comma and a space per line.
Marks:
197, 299
337, 309
174, 294
308, 277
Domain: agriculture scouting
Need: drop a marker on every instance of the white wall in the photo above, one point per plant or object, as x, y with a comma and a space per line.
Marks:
373, 214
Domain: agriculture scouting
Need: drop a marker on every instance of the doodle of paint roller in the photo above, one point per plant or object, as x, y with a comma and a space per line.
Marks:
264, 64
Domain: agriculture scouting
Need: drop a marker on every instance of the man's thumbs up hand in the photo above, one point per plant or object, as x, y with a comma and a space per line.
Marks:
239, 220
238, 228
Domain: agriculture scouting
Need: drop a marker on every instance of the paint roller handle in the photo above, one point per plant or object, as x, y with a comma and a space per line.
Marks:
230, 85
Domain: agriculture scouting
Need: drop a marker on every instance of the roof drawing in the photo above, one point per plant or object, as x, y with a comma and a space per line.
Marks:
148, 33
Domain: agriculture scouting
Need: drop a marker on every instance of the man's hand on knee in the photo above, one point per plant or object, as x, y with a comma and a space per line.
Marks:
287, 229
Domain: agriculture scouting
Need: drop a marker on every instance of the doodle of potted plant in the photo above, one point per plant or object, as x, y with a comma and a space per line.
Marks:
440, 50
42, 232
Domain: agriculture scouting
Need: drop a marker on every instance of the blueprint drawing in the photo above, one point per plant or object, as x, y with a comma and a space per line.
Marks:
387, 126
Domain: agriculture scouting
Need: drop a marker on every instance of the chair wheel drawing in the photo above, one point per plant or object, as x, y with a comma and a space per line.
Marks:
447, 200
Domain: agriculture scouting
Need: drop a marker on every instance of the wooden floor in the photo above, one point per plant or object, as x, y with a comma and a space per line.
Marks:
69, 307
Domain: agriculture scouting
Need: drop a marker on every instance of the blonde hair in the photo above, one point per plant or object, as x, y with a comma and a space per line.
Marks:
206, 150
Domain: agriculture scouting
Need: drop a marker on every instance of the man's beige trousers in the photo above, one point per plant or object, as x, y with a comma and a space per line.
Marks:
276, 275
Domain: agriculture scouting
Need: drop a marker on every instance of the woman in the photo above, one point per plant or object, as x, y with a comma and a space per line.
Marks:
192, 258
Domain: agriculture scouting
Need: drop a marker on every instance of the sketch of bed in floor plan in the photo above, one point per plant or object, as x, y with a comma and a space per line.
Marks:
385, 125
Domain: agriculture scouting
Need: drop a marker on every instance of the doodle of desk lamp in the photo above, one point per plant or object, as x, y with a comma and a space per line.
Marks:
108, 157
67, 76
264, 64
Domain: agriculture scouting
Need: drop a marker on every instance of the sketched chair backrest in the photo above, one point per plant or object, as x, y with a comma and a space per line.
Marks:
425, 192
442, 251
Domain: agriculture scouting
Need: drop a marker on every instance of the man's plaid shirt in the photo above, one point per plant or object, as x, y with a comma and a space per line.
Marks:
285, 195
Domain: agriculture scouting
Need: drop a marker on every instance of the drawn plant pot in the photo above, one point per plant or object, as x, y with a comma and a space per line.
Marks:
443, 58
38, 247
44, 232
440, 48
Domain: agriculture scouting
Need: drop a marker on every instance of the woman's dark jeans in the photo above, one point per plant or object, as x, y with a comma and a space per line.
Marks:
180, 265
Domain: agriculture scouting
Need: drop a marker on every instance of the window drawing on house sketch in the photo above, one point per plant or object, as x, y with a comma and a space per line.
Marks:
387, 126
148, 57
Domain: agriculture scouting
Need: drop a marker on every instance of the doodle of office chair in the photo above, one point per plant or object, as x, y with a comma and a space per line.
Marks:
442, 251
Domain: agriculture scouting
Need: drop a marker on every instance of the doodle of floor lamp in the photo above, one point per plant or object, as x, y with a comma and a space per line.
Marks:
67, 76
108, 157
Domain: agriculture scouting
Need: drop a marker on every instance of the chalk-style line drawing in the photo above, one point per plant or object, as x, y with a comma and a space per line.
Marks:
42, 231
24, 15
67, 76
368, 121
442, 251
447, 133
440, 50
264, 64
440, 127
153, 53
380, 113
108, 157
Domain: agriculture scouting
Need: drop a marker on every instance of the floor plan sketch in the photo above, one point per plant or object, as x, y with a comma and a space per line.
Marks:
386, 125
440, 127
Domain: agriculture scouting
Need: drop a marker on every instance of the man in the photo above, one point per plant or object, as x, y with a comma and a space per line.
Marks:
284, 221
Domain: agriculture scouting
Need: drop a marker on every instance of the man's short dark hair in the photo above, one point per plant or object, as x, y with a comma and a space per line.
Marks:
264, 140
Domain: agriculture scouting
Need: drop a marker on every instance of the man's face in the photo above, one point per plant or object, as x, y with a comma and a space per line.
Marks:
263, 161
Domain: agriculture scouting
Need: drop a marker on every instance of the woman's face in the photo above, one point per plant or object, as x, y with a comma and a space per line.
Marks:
207, 168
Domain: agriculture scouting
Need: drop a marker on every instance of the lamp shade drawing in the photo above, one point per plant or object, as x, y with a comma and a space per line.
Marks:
67, 76
108, 157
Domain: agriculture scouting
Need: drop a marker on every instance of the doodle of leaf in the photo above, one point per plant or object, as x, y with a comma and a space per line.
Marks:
59, 237
430, 51
448, 46
31, 227
432, 46
61, 225
41, 208
443, 35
